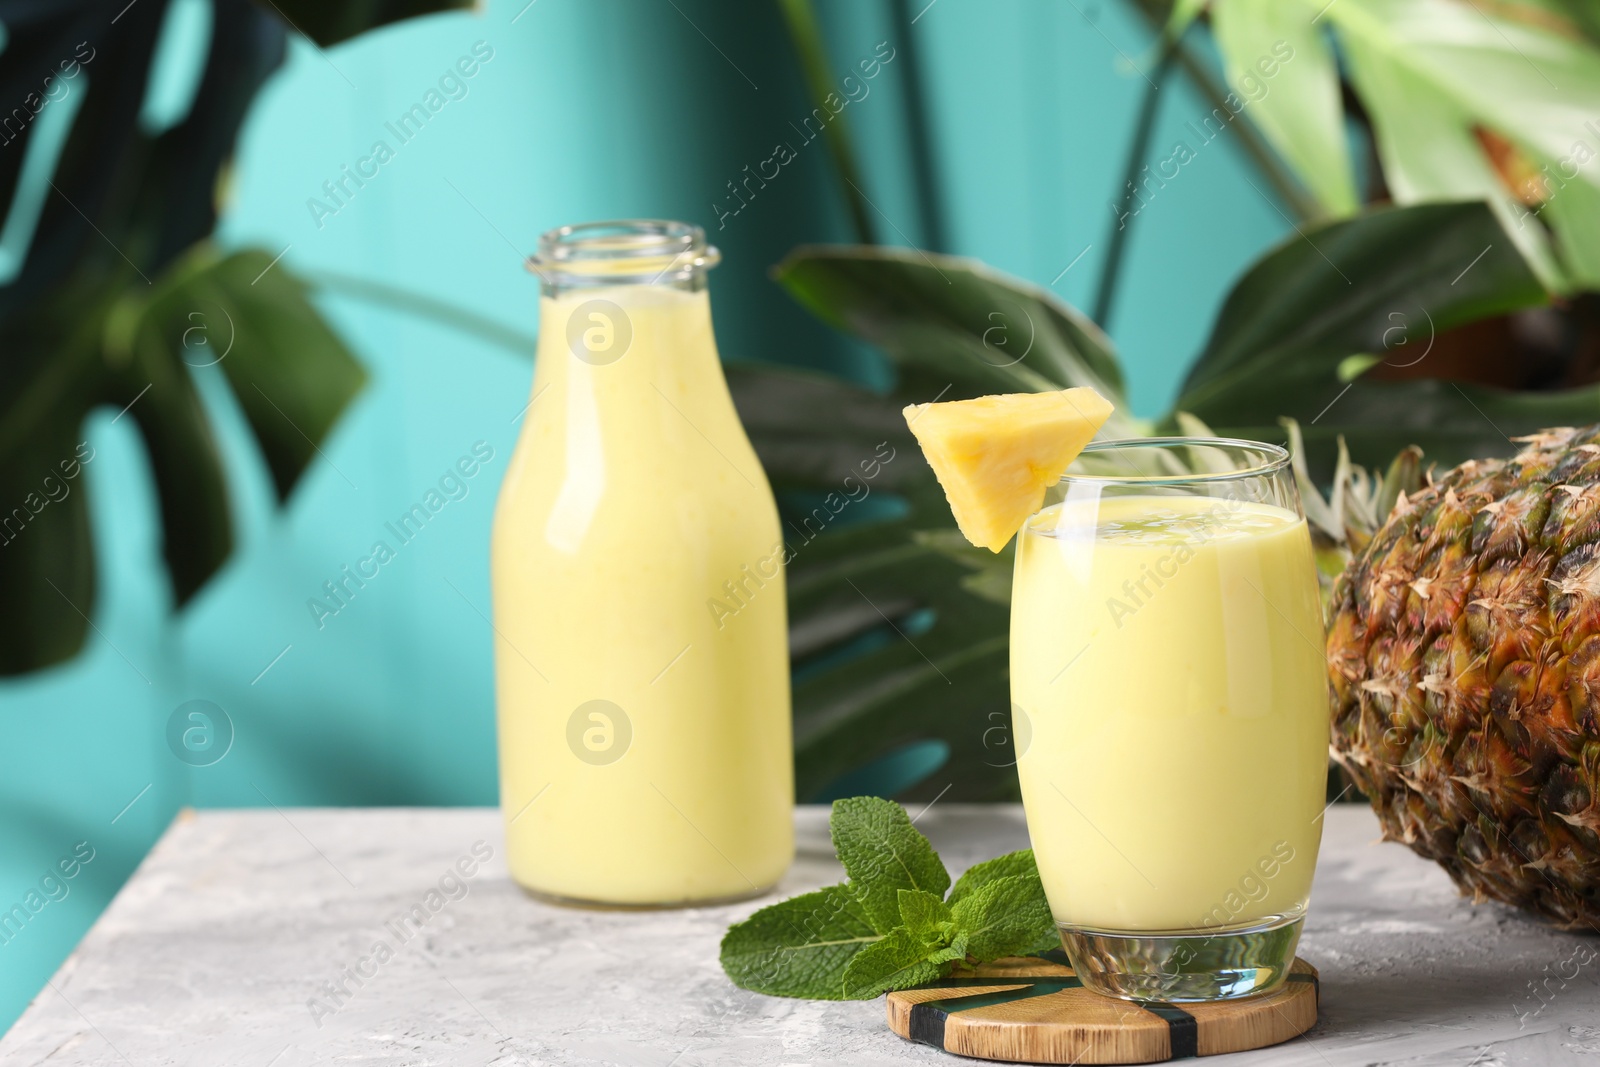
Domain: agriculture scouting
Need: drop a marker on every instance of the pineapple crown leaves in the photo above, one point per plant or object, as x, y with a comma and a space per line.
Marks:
891, 926
1358, 502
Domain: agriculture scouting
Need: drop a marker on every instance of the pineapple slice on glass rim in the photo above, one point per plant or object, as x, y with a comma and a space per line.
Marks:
995, 456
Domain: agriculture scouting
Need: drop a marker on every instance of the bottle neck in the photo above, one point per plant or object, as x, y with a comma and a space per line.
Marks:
623, 254
627, 332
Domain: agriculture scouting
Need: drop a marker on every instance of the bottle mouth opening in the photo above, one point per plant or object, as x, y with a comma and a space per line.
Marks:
623, 252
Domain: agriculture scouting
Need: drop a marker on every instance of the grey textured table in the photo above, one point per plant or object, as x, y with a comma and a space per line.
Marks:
225, 946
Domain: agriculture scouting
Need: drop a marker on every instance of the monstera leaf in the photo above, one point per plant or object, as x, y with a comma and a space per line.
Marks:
940, 629
953, 317
329, 23
1465, 100
1309, 325
109, 296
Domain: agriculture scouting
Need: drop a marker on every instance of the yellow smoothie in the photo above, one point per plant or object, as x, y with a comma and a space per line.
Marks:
645, 753
1169, 690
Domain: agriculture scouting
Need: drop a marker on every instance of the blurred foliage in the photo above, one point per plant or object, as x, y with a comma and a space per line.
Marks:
1460, 99
120, 300
1389, 325
956, 328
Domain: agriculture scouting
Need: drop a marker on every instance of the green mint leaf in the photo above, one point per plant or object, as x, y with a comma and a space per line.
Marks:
883, 854
897, 961
1050, 942
926, 917
1005, 917
799, 947
1019, 864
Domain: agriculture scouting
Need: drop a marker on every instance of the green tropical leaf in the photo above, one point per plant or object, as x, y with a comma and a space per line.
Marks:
44, 536
1281, 65
1574, 214
1184, 12
1430, 71
943, 682
813, 430
329, 23
139, 352
121, 310
955, 319
185, 461
1429, 152
1363, 285
253, 319
852, 583
1452, 421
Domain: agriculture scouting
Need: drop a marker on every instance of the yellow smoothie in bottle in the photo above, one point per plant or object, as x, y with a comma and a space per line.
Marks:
645, 751
1169, 694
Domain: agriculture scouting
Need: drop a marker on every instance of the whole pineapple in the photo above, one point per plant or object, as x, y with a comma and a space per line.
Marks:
1464, 655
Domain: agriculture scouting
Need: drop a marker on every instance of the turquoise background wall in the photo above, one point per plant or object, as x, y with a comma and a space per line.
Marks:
587, 109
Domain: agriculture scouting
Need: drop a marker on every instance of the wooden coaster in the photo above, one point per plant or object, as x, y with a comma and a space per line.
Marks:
1037, 1011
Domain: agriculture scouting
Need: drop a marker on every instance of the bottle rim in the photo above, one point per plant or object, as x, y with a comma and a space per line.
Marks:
1269, 459
623, 252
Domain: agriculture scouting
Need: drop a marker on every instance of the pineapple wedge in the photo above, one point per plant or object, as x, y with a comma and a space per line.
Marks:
995, 455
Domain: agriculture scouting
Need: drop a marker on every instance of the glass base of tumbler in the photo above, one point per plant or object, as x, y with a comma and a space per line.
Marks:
1184, 966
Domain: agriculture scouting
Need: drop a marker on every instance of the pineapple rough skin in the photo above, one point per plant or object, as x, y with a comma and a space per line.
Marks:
1464, 657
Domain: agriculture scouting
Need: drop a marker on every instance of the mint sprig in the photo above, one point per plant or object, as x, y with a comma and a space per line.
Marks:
890, 926
883, 854
801, 947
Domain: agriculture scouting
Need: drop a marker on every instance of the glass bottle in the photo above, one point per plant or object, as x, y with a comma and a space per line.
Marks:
637, 570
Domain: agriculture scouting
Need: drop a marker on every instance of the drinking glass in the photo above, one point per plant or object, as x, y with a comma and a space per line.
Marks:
1169, 701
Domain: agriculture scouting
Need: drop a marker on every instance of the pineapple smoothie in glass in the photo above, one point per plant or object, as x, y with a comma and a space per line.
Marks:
1170, 708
